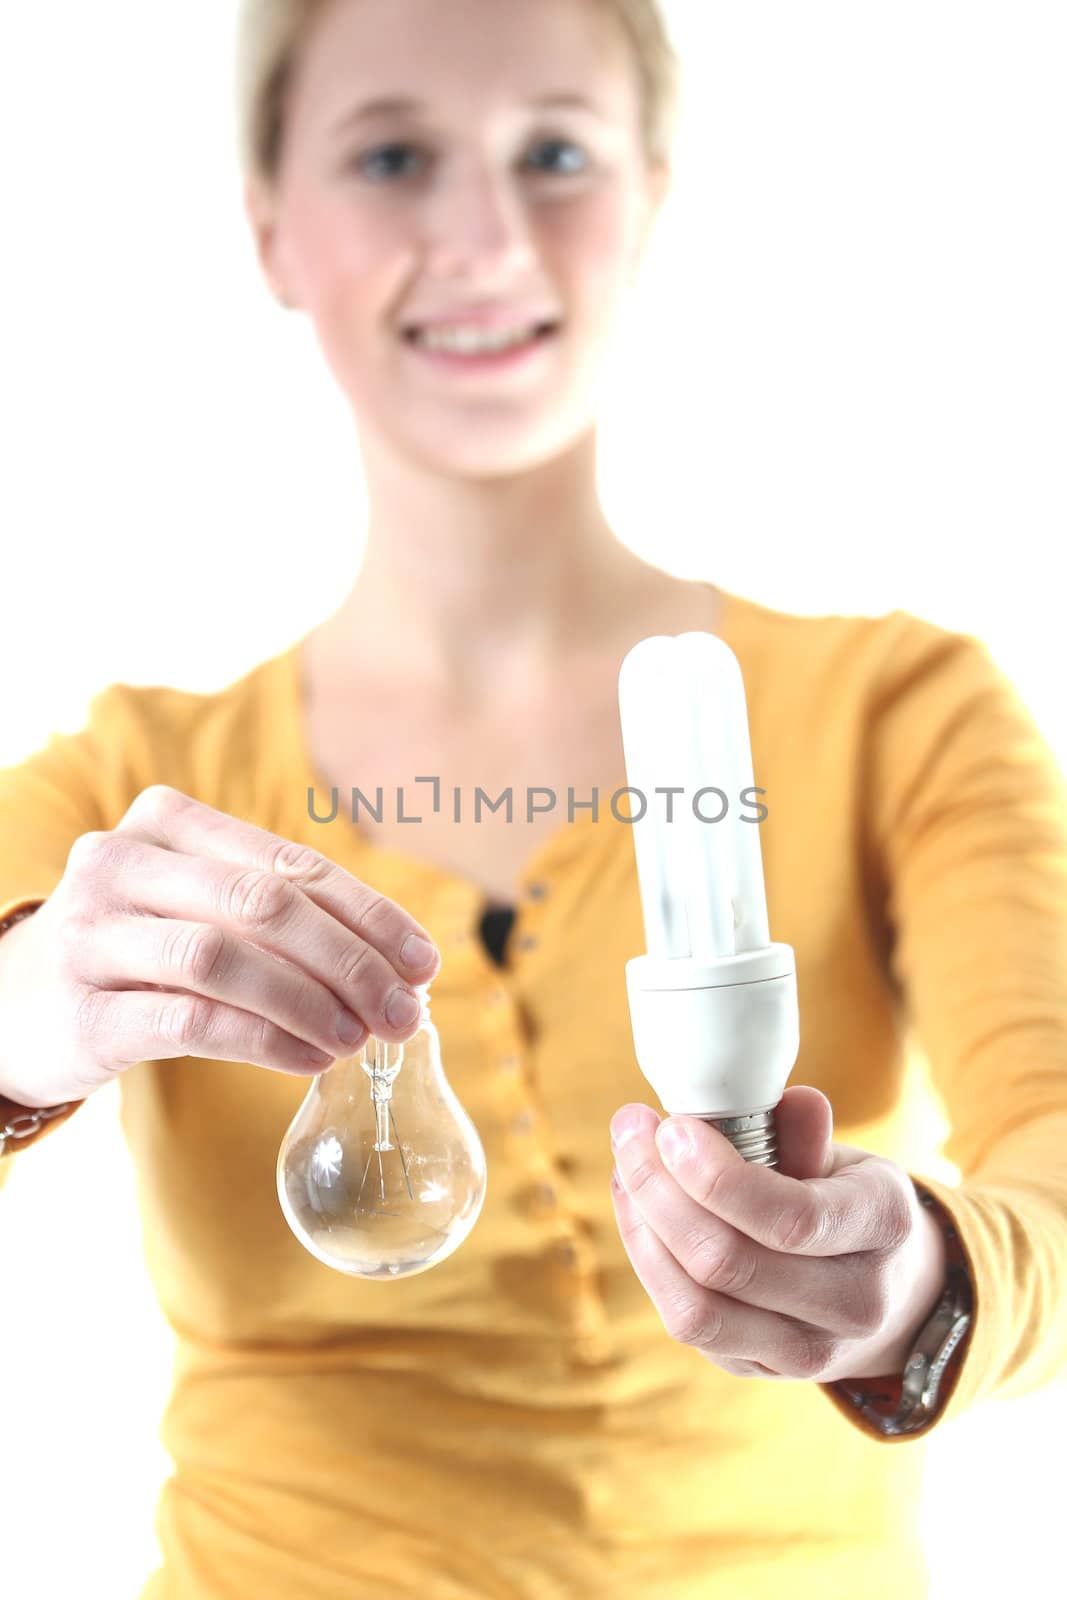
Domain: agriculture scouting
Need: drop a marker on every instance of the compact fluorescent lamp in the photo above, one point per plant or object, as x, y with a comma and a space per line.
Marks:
713, 1004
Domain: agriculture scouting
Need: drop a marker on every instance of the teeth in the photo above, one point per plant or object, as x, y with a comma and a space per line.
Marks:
472, 341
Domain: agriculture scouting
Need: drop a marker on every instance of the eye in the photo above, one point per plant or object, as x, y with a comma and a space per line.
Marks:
551, 157
565, 158
386, 161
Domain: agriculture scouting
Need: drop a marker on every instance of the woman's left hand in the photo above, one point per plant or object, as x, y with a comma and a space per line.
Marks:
825, 1268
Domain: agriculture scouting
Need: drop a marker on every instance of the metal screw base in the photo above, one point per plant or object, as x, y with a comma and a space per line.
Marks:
753, 1136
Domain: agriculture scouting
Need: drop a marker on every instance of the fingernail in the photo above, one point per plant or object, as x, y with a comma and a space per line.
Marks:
417, 953
624, 1124
402, 1007
349, 1028
675, 1142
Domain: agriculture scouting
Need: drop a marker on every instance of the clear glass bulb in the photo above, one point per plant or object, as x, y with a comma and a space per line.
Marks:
381, 1173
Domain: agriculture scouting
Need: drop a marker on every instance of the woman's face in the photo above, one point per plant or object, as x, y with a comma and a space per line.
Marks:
476, 207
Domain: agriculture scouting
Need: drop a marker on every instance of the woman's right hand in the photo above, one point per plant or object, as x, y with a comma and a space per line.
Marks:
185, 932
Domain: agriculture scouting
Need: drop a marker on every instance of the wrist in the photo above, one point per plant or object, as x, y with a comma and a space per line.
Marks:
927, 1286
907, 1400
23, 1118
14, 930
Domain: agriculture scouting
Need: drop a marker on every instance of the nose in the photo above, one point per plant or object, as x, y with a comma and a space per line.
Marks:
477, 219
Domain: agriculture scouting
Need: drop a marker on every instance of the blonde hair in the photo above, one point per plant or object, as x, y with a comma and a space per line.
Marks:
271, 32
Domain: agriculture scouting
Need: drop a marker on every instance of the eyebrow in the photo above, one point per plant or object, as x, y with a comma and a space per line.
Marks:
397, 105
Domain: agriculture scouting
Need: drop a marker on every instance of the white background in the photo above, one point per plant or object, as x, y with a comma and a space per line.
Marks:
843, 390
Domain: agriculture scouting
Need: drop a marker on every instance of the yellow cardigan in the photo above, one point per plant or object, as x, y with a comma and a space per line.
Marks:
517, 1424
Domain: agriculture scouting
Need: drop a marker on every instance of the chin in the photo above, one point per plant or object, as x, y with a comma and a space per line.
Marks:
478, 450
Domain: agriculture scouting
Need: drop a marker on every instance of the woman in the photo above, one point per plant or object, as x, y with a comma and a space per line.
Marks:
457, 196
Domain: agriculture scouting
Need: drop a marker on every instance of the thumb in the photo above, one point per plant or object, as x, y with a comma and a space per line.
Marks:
804, 1121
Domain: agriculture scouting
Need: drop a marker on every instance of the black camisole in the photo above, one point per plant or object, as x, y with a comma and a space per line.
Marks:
493, 930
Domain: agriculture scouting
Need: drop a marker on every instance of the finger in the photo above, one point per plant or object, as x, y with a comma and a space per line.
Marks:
202, 958
123, 1027
743, 1341
266, 908
835, 1294
804, 1131
166, 817
861, 1206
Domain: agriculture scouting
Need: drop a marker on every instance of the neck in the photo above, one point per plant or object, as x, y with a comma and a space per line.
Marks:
469, 584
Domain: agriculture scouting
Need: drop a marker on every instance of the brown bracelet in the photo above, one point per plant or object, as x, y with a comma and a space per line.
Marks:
17, 916
20, 1123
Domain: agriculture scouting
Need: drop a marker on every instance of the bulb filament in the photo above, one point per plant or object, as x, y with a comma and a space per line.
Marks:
381, 1062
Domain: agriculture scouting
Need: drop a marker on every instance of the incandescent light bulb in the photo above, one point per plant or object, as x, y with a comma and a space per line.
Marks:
381, 1173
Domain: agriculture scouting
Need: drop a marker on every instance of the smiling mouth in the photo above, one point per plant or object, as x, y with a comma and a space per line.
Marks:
473, 344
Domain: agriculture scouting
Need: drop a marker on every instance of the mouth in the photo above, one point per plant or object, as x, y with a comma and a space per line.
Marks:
480, 349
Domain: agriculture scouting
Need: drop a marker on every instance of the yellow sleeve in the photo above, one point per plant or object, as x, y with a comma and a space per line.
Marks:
967, 855
74, 784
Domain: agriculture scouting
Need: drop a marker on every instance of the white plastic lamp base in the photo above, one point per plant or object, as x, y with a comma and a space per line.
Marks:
719, 1041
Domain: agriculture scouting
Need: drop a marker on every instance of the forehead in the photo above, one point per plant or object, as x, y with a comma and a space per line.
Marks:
463, 52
